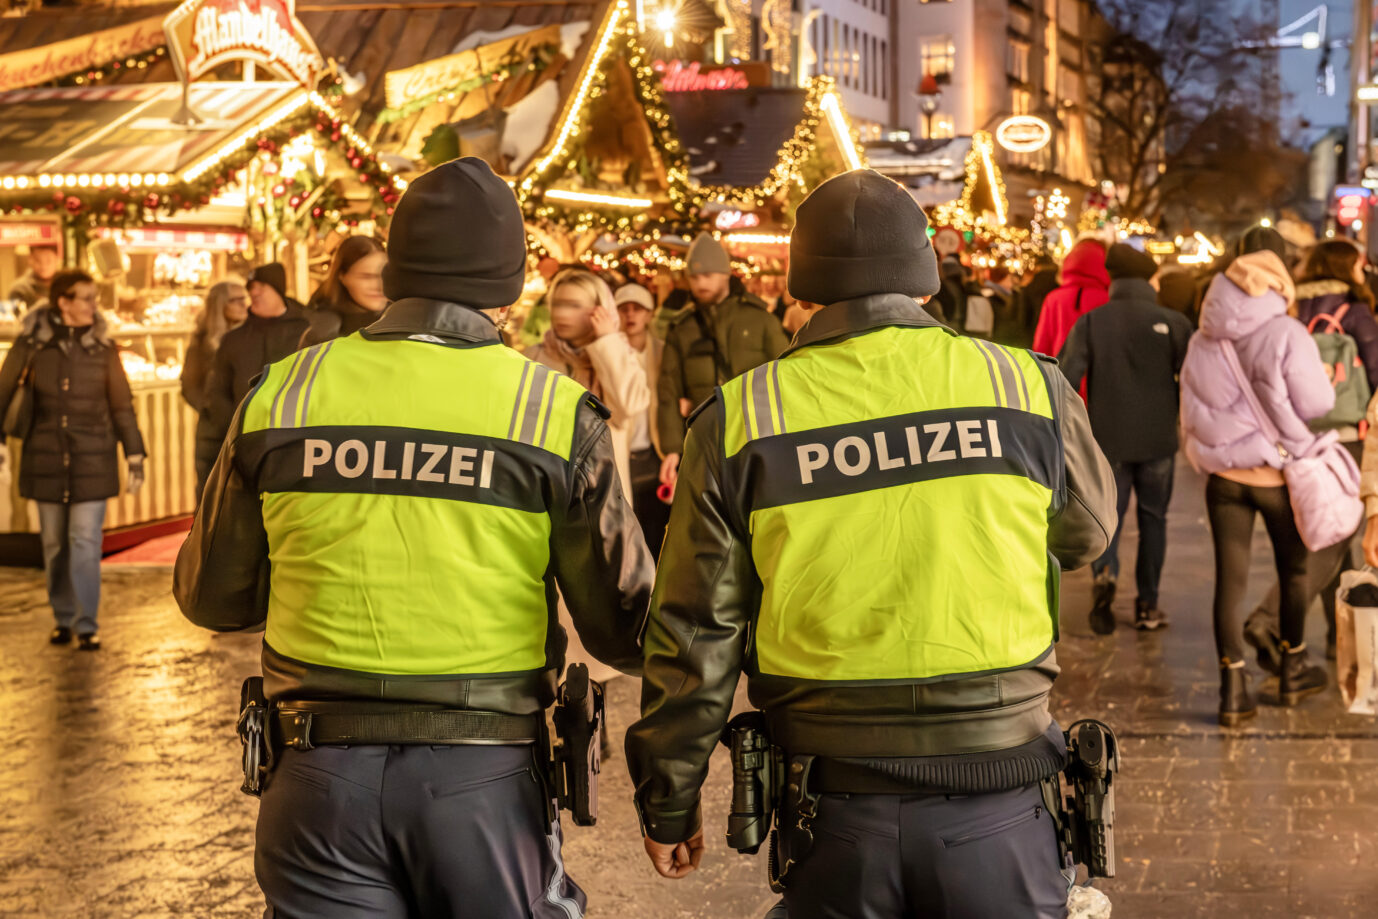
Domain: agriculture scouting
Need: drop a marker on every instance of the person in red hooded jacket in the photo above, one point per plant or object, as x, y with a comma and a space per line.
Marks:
1085, 286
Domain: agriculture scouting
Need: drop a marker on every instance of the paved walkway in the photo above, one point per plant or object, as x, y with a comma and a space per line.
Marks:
120, 793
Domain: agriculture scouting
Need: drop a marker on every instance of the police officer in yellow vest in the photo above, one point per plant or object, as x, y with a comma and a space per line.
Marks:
399, 507
873, 529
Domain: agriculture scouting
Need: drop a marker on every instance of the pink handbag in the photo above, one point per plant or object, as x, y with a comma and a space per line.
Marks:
1322, 482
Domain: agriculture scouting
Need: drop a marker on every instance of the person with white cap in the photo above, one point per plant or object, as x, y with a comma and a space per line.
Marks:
636, 305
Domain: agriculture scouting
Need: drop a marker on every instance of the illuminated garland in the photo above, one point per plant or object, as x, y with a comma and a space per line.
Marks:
93, 75
619, 38
122, 200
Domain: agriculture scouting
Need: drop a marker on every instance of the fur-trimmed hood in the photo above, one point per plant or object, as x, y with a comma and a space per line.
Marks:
41, 324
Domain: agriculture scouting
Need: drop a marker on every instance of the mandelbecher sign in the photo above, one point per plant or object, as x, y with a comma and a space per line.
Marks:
203, 34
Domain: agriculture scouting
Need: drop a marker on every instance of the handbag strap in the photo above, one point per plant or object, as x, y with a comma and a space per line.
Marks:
1270, 430
1331, 321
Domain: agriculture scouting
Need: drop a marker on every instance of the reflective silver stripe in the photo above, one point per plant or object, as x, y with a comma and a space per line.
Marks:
517, 408
532, 414
293, 397
549, 407
779, 400
311, 381
277, 397
1007, 373
552, 889
1023, 384
994, 387
765, 418
746, 404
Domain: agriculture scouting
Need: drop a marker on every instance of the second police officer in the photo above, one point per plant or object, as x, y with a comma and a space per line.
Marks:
399, 506
873, 528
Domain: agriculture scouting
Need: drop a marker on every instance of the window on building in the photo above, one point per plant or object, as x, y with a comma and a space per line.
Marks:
1020, 101
1017, 61
938, 56
884, 69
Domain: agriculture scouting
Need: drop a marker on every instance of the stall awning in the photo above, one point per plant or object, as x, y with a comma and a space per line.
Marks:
733, 137
128, 130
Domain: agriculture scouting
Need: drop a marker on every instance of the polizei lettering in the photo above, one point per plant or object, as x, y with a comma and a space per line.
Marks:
438, 464
918, 444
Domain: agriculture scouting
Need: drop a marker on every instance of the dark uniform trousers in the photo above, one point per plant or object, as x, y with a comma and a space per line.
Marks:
410, 831
991, 856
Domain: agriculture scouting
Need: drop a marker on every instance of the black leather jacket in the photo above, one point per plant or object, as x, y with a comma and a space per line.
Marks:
708, 595
599, 559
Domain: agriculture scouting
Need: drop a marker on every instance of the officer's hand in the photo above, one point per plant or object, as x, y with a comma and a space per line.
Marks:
1371, 542
674, 862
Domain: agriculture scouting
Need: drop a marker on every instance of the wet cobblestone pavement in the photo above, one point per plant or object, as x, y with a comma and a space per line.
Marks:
120, 775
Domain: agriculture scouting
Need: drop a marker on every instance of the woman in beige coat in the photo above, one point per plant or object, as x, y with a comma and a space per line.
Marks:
585, 343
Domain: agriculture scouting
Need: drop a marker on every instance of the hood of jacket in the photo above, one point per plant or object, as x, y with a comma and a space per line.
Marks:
1084, 266
1228, 313
42, 326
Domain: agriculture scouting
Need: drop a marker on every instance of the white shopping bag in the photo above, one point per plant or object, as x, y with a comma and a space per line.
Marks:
1356, 640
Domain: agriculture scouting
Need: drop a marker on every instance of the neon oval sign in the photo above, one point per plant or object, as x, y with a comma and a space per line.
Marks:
1023, 133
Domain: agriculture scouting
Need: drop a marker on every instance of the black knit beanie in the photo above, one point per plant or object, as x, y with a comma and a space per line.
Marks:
274, 275
1124, 261
857, 234
457, 236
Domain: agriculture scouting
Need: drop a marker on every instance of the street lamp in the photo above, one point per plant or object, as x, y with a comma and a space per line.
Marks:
930, 96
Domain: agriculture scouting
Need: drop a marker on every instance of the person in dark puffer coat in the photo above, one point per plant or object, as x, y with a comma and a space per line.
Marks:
82, 408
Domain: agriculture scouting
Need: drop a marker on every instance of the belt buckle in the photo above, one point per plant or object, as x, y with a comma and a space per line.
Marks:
302, 741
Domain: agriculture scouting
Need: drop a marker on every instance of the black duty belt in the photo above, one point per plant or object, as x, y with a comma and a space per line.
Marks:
303, 729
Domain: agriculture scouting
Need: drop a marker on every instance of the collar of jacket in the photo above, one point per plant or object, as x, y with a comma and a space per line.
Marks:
864, 314
1132, 289
41, 325
418, 316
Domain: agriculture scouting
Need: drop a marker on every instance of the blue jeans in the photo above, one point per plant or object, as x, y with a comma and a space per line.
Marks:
71, 560
1151, 483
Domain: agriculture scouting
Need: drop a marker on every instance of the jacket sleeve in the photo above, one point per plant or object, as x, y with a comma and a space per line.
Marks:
669, 390
706, 594
623, 379
1081, 531
602, 565
194, 375
1364, 328
1308, 386
1045, 333
220, 391
10, 370
221, 577
1181, 340
1075, 357
1368, 468
121, 402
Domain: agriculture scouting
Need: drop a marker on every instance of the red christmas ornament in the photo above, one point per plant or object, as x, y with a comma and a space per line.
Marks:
365, 178
351, 153
279, 191
73, 205
295, 200
335, 136
115, 206
151, 200
317, 212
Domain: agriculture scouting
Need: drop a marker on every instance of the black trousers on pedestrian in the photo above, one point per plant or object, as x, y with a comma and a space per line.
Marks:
991, 856
406, 832
652, 513
1232, 508
1151, 484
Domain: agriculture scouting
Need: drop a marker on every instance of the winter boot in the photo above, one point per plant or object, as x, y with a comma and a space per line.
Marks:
1261, 633
1236, 702
1147, 616
1299, 677
1102, 596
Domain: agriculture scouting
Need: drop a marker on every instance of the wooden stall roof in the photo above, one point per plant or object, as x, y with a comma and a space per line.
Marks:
45, 26
733, 137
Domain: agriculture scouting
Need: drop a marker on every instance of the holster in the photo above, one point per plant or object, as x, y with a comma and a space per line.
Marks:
576, 755
255, 735
1086, 817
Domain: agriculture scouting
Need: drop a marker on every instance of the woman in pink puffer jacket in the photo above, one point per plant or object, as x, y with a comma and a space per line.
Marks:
1246, 309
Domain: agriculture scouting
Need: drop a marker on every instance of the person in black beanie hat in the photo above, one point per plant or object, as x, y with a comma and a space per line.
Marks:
428, 494
1129, 352
860, 234
458, 236
854, 520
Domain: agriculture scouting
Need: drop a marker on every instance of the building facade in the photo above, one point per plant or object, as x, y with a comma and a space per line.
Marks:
993, 59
